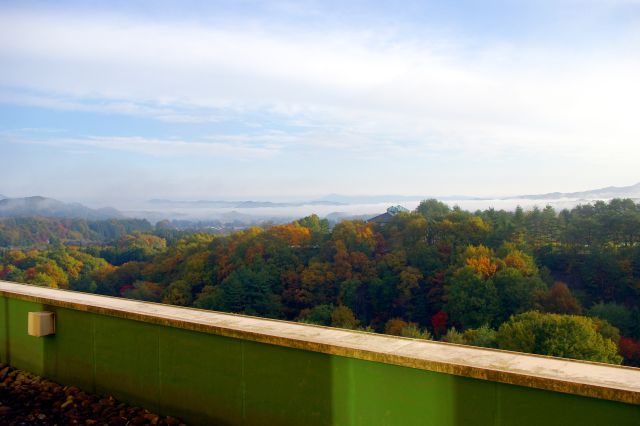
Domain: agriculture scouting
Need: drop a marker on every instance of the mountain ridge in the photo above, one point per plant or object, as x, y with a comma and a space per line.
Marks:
50, 207
249, 204
631, 191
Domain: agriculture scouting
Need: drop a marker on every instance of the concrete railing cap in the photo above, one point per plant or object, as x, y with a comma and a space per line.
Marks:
583, 378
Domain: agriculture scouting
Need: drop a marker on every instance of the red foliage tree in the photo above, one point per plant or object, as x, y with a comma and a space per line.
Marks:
439, 323
630, 350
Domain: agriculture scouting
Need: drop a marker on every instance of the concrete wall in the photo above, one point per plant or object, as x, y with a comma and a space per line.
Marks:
210, 379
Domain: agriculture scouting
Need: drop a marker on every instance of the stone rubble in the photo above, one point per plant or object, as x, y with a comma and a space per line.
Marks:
26, 399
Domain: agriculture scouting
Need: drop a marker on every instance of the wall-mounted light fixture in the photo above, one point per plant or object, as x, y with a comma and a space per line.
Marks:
41, 324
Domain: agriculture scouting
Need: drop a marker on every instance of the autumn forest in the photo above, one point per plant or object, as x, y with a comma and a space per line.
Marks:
555, 283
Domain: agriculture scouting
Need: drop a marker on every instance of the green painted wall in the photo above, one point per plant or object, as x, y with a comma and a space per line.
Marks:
25, 352
207, 379
4, 329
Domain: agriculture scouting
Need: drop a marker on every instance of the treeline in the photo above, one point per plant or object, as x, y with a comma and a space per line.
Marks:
563, 284
37, 231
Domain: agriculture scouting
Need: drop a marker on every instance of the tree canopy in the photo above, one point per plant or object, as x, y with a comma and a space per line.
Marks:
521, 280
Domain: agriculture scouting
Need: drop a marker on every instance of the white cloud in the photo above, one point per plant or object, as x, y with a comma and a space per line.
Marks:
349, 90
219, 147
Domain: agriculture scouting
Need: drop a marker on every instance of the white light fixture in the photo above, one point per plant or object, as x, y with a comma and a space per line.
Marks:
41, 324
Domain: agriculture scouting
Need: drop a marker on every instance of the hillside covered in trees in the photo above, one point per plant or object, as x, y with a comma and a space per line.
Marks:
556, 283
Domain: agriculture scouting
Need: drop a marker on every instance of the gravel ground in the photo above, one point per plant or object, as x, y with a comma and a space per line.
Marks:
26, 399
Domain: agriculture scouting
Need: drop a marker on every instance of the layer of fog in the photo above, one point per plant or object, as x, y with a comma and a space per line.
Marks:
283, 214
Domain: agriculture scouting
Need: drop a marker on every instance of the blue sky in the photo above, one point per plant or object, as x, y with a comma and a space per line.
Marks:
110, 102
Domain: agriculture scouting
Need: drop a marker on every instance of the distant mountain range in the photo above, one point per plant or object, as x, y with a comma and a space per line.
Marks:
377, 199
240, 204
48, 207
632, 191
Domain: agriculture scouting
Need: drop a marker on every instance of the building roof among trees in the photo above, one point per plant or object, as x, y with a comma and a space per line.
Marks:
386, 217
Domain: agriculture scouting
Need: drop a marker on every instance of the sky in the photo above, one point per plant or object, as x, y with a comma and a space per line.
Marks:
111, 102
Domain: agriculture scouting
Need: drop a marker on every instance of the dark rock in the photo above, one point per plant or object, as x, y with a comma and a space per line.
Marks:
26, 399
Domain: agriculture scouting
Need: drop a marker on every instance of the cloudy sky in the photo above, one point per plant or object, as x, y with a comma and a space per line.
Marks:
123, 100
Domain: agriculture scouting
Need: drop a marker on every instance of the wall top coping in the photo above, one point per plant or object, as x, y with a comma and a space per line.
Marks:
603, 381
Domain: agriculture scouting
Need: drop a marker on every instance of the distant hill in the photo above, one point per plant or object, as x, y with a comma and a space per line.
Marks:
49, 207
632, 191
258, 204
239, 204
377, 199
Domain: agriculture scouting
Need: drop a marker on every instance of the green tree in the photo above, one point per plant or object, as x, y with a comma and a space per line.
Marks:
209, 298
483, 336
433, 209
144, 290
320, 315
516, 292
618, 315
471, 300
343, 317
232, 295
568, 336
415, 332
315, 224
178, 293
454, 336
